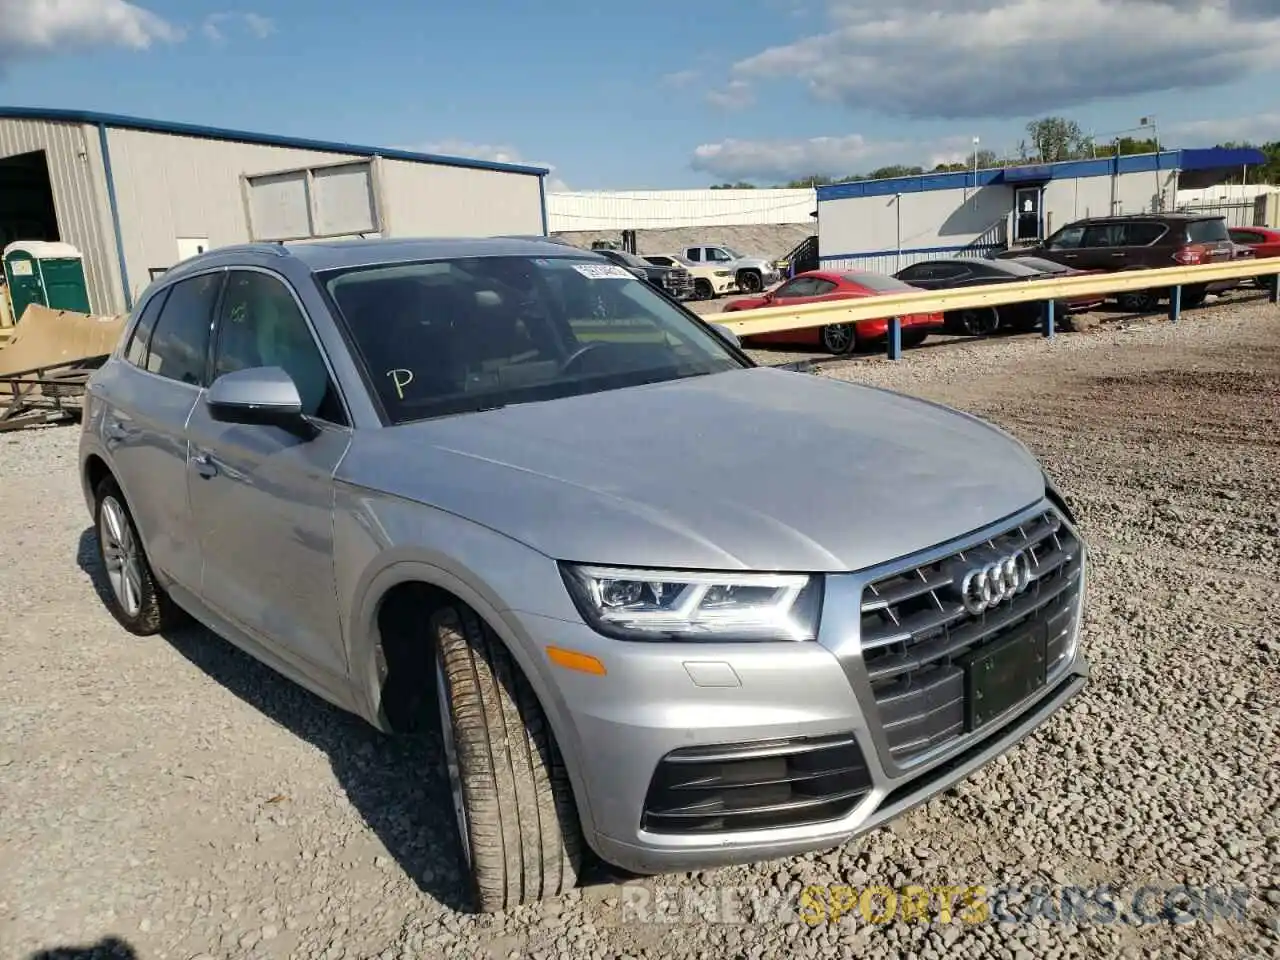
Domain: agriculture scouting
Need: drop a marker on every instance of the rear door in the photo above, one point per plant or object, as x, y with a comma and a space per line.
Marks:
148, 398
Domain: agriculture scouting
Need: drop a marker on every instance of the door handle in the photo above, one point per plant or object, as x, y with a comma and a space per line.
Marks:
1118, 254
205, 465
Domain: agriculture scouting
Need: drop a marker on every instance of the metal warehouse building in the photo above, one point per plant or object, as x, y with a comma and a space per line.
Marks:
136, 196
884, 225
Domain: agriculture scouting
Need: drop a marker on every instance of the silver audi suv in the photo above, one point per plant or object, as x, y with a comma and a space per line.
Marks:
663, 606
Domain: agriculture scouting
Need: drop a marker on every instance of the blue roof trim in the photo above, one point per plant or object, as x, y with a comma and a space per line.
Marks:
265, 139
1213, 158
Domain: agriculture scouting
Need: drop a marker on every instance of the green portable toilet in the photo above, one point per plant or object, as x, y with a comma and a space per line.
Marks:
44, 272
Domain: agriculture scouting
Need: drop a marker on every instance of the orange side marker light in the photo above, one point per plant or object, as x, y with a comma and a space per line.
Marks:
572, 660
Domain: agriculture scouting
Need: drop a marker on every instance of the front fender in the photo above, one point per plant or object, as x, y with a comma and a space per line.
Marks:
382, 541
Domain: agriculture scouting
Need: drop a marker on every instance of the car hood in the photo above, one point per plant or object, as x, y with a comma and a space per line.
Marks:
751, 469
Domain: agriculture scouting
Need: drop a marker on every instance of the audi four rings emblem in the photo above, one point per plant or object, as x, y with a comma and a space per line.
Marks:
992, 584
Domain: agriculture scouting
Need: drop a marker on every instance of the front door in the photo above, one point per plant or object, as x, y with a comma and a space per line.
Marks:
1027, 220
262, 498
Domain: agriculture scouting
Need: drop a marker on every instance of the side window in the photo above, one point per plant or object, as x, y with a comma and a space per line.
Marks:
140, 338
180, 343
1102, 235
1140, 234
1068, 238
912, 274
1247, 236
716, 255
799, 287
694, 254
261, 325
821, 288
949, 271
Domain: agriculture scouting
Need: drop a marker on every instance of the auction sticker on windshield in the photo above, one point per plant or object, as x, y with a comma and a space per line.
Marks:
602, 271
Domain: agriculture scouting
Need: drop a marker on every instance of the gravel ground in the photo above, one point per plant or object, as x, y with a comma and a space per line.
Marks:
171, 798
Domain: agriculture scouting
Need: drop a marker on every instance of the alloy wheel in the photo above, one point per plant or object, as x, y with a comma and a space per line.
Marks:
121, 556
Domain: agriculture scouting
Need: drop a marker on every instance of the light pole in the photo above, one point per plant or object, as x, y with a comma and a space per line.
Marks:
1150, 122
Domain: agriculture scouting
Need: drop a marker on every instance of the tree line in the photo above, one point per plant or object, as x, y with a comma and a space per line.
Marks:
1048, 140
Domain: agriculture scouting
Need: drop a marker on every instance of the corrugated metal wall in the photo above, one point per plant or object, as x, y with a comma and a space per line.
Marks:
170, 186
661, 209
887, 233
79, 197
422, 199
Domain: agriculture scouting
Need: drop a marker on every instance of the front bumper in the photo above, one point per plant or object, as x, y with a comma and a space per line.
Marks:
661, 699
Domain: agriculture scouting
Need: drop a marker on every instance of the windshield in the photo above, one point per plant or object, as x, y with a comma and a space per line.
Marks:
1044, 266
625, 257
455, 336
1015, 267
880, 283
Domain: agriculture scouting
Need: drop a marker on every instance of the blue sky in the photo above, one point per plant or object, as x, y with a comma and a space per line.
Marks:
619, 95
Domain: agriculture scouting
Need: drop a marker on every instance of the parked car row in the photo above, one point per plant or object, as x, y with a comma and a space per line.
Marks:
1091, 245
701, 272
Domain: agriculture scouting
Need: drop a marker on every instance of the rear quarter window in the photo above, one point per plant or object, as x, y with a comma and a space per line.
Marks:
1207, 231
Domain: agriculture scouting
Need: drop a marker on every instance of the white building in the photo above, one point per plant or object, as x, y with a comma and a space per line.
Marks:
136, 196
884, 225
612, 210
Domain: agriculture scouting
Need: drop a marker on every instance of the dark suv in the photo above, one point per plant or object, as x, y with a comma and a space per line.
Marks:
1140, 242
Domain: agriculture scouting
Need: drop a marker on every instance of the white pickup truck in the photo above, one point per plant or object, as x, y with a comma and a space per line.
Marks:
752, 273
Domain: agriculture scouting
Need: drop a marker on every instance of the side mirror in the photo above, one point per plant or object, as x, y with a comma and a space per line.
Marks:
727, 335
262, 396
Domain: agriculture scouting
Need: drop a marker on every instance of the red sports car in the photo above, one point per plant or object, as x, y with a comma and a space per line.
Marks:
1264, 241
818, 286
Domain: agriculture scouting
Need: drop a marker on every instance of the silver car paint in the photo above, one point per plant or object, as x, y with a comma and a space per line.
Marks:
751, 468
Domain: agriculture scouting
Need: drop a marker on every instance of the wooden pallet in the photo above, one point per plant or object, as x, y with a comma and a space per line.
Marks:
48, 394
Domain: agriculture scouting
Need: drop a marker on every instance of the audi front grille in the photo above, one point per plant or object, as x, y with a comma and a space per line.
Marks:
951, 644
755, 786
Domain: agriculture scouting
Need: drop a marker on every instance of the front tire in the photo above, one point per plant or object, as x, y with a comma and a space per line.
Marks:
750, 281
134, 596
517, 822
702, 290
839, 338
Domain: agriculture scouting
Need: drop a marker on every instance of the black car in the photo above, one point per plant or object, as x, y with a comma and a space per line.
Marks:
967, 272
676, 282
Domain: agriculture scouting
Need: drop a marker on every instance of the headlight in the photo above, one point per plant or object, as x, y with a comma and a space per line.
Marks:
632, 604
724, 273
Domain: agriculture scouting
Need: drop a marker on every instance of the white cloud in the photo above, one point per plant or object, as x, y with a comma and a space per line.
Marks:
679, 79
1255, 128
33, 27
1010, 58
777, 160
497, 153
736, 95
257, 26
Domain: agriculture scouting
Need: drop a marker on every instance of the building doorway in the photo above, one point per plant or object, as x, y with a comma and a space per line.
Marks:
26, 199
1028, 223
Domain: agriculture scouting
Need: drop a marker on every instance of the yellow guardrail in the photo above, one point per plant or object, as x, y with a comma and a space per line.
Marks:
777, 319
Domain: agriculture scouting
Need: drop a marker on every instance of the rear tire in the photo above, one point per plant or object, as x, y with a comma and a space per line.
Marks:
1194, 296
913, 338
1139, 301
518, 825
975, 322
133, 595
839, 338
